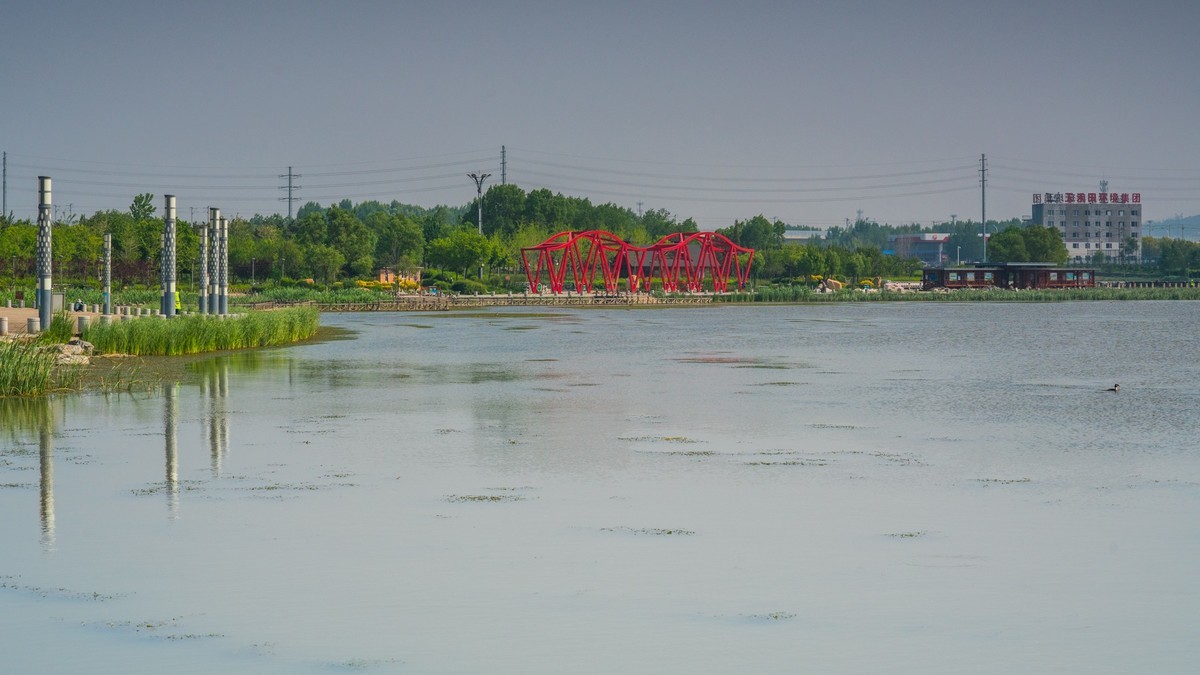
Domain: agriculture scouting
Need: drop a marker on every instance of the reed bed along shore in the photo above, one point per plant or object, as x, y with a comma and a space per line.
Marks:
26, 369
200, 333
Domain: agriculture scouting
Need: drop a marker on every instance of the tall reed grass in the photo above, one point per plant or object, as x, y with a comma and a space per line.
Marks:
200, 333
26, 369
60, 330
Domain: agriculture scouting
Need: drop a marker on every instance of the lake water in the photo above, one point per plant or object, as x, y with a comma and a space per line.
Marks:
882, 487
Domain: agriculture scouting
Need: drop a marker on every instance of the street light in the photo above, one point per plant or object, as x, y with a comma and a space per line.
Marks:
252, 271
479, 178
958, 256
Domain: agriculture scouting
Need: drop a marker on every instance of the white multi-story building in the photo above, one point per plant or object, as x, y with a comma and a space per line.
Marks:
1109, 223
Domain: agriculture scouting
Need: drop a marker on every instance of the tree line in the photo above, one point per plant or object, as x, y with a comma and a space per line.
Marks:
352, 241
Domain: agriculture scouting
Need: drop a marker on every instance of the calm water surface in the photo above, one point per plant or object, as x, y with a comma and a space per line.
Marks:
889, 487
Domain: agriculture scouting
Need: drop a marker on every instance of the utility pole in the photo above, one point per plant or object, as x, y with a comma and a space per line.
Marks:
983, 200
479, 178
640, 209
290, 188
503, 166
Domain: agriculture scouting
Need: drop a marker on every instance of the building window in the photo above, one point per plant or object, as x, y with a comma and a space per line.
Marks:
1133, 212
1108, 212
1133, 223
1108, 246
1074, 235
1121, 212
1076, 211
1087, 245
1074, 223
1133, 235
1075, 245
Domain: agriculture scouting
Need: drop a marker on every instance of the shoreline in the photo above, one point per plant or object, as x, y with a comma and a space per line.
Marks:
18, 317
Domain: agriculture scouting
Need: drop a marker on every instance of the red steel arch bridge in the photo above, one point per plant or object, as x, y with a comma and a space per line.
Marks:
592, 260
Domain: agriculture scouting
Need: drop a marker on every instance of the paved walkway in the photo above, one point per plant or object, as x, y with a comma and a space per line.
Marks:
18, 318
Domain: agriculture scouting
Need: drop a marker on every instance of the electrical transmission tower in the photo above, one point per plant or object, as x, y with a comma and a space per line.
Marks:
290, 187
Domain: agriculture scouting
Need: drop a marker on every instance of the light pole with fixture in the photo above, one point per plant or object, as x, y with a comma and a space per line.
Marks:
479, 178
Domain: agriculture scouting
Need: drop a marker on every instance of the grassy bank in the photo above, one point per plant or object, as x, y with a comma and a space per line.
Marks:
27, 367
196, 334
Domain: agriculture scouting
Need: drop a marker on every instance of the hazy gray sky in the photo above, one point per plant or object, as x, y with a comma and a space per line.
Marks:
805, 111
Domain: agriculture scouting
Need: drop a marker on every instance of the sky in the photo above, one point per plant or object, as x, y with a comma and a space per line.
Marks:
813, 113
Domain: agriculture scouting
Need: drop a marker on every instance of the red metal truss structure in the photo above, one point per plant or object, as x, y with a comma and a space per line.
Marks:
683, 259
680, 261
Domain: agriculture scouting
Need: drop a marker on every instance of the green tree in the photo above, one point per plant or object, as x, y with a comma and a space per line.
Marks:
1044, 244
756, 233
503, 208
325, 262
659, 223
1008, 246
311, 228
142, 207
463, 251
397, 237
352, 239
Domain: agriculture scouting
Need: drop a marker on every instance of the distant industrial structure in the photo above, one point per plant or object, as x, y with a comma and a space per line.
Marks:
1092, 223
928, 247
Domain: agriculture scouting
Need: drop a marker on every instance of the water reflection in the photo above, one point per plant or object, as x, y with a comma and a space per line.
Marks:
214, 390
23, 418
46, 464
170, 407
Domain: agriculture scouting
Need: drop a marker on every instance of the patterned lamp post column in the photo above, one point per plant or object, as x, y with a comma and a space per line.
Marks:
214, 226
168, 256
107, 273
45, 296
223, 269
202, 286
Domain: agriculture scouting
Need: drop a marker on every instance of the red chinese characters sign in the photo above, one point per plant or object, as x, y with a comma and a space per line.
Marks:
1087, 198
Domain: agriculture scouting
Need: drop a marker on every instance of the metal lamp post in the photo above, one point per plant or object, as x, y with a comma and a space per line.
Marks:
479, 178
45, 258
